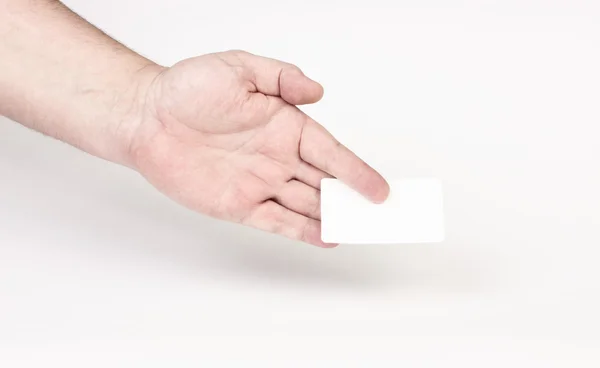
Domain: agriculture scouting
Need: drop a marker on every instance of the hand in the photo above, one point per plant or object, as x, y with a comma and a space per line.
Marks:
221, 135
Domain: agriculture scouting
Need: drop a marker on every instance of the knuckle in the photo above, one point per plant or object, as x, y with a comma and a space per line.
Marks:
236, 52
316, 205
276, 220
303, 234
293, 68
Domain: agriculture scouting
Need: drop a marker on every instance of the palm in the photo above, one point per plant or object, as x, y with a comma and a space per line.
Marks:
224, 140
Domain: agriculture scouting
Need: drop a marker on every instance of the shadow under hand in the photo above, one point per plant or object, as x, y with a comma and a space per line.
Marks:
118, 208
228, 250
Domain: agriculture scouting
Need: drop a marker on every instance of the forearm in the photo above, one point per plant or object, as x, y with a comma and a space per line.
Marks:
65, 78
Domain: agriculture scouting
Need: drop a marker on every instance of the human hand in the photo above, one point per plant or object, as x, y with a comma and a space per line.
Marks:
221, 134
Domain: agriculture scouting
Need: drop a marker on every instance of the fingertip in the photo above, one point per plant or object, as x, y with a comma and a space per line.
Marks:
374, 187
381, 191
319, 91
329, 245
321, 244
312, 235
298, 89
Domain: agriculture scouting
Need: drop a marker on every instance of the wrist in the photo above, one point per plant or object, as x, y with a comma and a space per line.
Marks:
132, 110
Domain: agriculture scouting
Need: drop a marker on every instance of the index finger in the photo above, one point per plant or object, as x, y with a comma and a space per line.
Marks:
320, 149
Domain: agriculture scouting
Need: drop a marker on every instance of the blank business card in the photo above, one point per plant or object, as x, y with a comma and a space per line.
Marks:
413, 213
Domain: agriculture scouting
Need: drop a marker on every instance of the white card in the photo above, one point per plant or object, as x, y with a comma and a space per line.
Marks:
413, 213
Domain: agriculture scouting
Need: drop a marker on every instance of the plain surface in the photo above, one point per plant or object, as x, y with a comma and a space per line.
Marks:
413, 213
499, 99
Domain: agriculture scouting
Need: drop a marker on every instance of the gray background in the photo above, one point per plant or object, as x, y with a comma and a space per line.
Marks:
498, 99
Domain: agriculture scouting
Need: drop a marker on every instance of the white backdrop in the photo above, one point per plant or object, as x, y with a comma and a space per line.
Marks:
499, 99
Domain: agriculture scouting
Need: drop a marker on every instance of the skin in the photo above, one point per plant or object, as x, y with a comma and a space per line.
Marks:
220, 133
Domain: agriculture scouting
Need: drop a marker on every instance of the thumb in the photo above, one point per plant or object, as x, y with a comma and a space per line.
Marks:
298, 89
277, 78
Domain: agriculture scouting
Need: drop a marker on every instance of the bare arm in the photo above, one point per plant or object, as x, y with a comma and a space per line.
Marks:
64, 77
